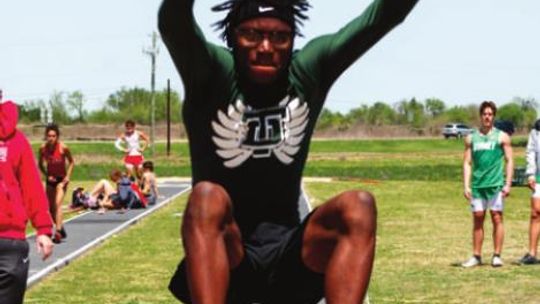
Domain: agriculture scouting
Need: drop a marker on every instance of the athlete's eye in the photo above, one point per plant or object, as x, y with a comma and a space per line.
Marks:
253, 37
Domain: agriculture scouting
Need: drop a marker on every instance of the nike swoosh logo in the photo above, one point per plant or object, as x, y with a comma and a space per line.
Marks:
264, 9
25, 260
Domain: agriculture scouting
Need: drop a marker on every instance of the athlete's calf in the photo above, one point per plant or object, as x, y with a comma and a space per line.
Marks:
340, 241
212, 242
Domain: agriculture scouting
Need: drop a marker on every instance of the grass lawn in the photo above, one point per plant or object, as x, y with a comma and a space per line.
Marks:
384, 159
423, 228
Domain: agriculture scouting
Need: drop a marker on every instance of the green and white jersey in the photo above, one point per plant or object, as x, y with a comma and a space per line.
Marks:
254, 141
487, 159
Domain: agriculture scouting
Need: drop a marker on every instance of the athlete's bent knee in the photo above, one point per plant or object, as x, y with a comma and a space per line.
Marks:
358, 211
208, 204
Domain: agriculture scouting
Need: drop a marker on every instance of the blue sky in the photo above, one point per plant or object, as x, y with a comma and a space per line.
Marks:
461, 51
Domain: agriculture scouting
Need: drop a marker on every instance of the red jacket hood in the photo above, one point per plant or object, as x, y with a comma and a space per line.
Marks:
9, 115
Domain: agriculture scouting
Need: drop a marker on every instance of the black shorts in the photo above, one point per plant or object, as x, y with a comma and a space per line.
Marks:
271, 272
13, 270
57, 180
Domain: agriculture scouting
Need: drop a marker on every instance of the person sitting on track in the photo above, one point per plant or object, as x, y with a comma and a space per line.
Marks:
129, 142
104, 193
250, 111
54, 157
148, 183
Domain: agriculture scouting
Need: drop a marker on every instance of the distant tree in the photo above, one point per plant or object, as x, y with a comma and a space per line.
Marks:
58, 106
460, 114
411, 113
529, 103
435, 107
380, 114
521, 114
75, 102
135, 103
30, 111
358, 115
530, 108
329, 120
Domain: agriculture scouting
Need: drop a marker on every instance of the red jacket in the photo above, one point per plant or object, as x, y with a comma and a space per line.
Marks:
22, 196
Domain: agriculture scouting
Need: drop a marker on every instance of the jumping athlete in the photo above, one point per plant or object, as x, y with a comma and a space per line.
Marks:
130, 143
22, 198
250, 110
533, 177
54, 156
484, 152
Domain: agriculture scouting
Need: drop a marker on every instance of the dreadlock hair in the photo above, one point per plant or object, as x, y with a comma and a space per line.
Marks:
290, 11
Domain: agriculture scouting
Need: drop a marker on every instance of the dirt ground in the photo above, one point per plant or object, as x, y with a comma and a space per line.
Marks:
89, 132
83, 132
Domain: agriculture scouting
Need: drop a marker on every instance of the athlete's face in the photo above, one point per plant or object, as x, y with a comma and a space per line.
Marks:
263, 48
487, 117
51, 137
130, 129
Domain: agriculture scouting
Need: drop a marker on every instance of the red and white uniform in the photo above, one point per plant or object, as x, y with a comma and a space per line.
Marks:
133, 146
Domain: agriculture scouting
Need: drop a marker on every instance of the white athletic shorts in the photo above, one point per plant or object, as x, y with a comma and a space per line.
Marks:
494, 204
536, 192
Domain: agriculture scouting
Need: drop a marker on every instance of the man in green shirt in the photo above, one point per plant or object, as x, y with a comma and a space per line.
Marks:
250, 110
484, 152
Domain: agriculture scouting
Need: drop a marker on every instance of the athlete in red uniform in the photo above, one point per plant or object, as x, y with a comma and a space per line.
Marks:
54, 157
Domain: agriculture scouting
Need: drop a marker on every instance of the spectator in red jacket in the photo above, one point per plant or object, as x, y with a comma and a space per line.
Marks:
22, 197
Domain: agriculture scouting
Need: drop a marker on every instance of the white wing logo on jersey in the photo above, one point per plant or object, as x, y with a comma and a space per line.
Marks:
258, 133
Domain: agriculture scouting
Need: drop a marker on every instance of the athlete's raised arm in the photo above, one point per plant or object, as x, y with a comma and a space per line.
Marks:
329, 55
185, 41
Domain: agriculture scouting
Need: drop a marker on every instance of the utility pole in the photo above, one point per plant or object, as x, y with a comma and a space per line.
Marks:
152, 52
168, 117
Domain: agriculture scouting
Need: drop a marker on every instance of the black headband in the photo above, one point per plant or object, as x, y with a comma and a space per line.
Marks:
255, 9
291, 12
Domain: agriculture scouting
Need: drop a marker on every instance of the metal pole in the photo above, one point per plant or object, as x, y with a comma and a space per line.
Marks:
153, 52
168, 117
153, 131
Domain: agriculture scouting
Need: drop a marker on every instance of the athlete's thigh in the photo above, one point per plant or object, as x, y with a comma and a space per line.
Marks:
478, 205
535, 203
496, 203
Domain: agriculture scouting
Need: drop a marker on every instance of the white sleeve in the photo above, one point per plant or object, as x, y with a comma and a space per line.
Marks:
531, 153
118, 144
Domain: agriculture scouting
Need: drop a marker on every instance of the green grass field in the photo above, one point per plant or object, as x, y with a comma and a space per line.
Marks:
423, 228
423, 159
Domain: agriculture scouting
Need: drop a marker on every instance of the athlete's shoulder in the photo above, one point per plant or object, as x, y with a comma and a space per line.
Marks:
504, 138
64, 148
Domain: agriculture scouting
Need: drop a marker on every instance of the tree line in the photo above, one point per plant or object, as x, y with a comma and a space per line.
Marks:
134, 103
127, 103
430, 114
